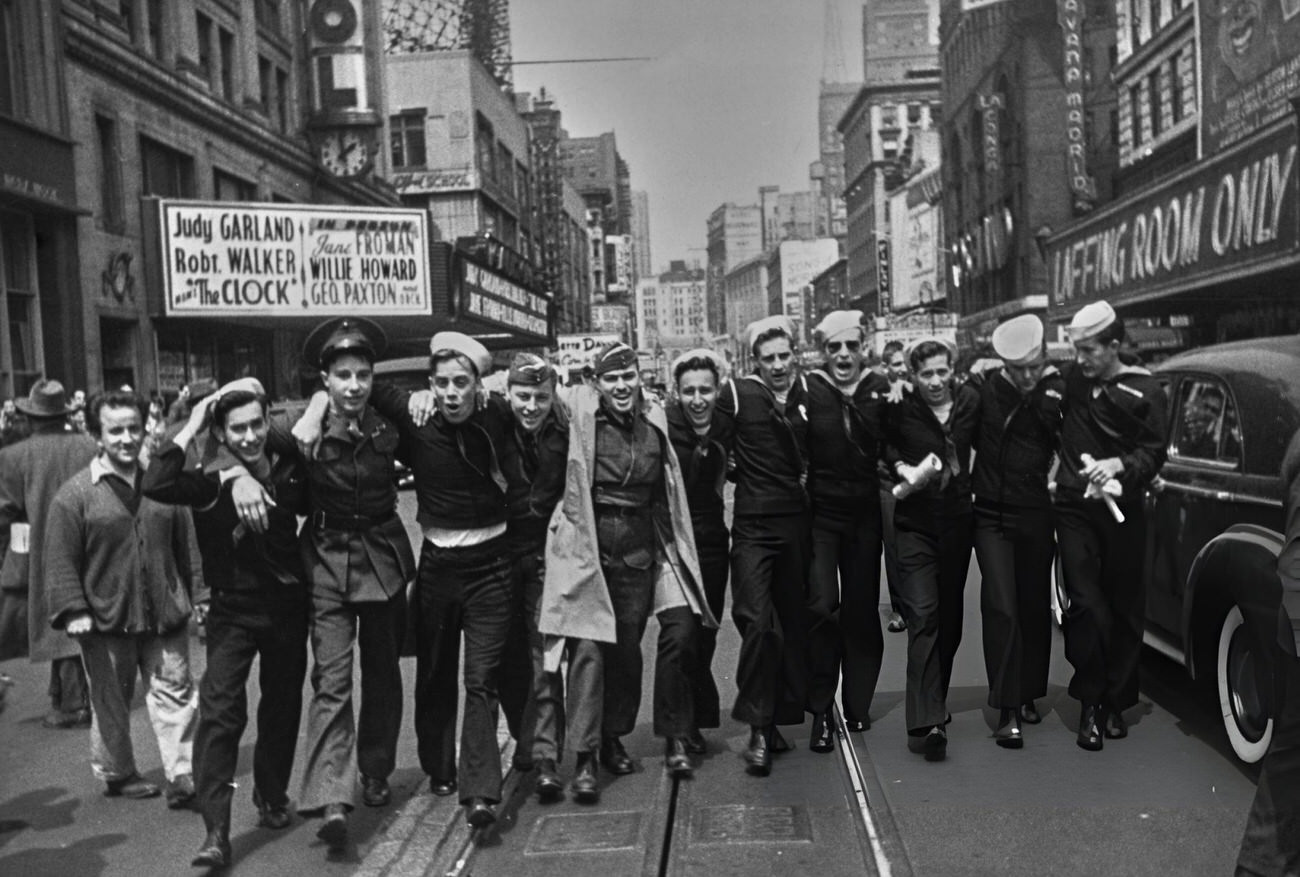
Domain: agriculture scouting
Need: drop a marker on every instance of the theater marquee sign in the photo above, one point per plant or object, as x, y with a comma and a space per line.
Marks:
225, 259
1227, 215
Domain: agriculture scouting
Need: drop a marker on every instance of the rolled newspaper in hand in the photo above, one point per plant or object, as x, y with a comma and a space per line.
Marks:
20, 535
916, 477
1106, 492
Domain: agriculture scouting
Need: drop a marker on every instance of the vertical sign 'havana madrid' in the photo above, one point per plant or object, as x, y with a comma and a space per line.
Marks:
1082, 185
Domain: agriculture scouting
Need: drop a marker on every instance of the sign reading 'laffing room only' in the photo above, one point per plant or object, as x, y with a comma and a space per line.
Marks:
1237, 211
223, 259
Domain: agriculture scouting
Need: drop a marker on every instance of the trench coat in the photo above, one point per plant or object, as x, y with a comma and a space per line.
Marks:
575, 599
31, 473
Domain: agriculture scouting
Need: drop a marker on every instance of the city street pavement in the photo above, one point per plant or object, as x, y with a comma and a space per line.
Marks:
1167, 800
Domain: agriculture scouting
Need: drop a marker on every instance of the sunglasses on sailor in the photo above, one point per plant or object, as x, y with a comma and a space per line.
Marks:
837, 346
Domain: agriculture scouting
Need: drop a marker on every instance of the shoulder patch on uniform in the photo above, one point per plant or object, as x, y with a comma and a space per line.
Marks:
1130, 390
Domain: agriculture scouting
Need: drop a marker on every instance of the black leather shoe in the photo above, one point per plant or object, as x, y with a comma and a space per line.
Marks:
823, 733
1089, 728
1008, 734
271, 815
375, 791
677, 759
615, 758
1029, 714
1115, 728
758, 756
134, 786
854, 725
695, 743
442, 788
549, 787
586, 788
215, 852
936, 744
479, 813
334, 826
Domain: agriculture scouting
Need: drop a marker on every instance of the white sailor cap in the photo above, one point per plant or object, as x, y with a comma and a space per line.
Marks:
470, 348
1019, 339
1091, 320
776, 322
838, 324
719, 364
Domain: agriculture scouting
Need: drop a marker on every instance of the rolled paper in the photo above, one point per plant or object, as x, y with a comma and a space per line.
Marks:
1095, 491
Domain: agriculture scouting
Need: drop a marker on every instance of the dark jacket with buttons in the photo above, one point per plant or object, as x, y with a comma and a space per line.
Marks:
1016, 439
134, 573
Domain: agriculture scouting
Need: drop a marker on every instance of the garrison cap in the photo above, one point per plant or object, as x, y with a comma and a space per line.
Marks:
530, 370
614, 356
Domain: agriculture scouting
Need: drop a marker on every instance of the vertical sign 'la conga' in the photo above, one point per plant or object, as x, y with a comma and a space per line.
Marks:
224, 259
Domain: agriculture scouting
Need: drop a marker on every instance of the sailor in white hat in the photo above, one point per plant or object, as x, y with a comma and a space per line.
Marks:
1112, 444
844, 636
1020, 416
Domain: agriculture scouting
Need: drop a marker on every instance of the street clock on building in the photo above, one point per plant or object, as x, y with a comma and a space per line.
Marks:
344, 120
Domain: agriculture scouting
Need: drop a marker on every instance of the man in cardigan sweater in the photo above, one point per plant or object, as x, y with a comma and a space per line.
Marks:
121, 569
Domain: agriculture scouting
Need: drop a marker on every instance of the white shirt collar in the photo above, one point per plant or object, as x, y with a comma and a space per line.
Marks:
99, 469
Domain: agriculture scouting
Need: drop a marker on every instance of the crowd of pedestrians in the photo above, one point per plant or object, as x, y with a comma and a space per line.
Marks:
556, 521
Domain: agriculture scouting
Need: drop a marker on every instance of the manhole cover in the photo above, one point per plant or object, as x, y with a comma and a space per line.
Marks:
737, 824
586, 833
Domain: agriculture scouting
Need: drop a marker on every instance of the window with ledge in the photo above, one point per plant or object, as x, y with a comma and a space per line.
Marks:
22, 359
111, 205
406, 131
203, 28
281, 115
486, 149
11, 62
228, 187
265, 83
267, 15
165, 172
226, 54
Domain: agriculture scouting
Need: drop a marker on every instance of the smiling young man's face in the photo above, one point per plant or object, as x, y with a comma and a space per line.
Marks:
618, 389
245, 430
698, 391
531, 403
348, 380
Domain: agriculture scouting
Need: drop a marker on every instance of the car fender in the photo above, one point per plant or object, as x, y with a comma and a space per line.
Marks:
1238, 565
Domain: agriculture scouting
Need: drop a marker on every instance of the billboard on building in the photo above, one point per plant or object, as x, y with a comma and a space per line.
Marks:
226, 258
576, 351
1250, 67
801, 261
915, 229
611, 319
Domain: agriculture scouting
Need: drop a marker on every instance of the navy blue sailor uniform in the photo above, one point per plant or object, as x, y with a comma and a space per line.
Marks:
461, 589
844, 444
771, 543
934, 535
1015, 443
1101, 561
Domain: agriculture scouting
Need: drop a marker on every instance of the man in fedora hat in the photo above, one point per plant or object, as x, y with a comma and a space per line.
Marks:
31, 472
1112, 442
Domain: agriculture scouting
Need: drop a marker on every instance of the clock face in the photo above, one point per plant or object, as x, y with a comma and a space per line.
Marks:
344, 153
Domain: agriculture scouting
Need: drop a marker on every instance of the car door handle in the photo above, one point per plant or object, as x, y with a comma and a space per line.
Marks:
1157, 485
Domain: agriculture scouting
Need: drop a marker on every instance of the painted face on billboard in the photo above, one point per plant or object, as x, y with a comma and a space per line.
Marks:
1245, 44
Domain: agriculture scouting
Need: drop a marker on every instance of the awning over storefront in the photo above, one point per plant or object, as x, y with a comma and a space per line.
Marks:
1229, 216
37, 168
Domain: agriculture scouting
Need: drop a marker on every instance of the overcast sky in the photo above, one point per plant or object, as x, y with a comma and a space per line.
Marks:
728, 104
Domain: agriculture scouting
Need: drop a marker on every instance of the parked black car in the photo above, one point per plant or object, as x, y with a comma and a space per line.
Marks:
1215, 524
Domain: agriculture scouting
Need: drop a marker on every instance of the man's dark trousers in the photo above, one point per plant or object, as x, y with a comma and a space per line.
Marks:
627, 555
461, 590
241, 627
769, 571
1014, 547
712, 544
844, 613
1101, 562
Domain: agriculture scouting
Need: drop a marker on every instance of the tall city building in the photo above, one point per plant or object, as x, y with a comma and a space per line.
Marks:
744, 288
899, 37
735, 234
670, 311
561, 215
595, 168
641, 232
1022, 153
827, 174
